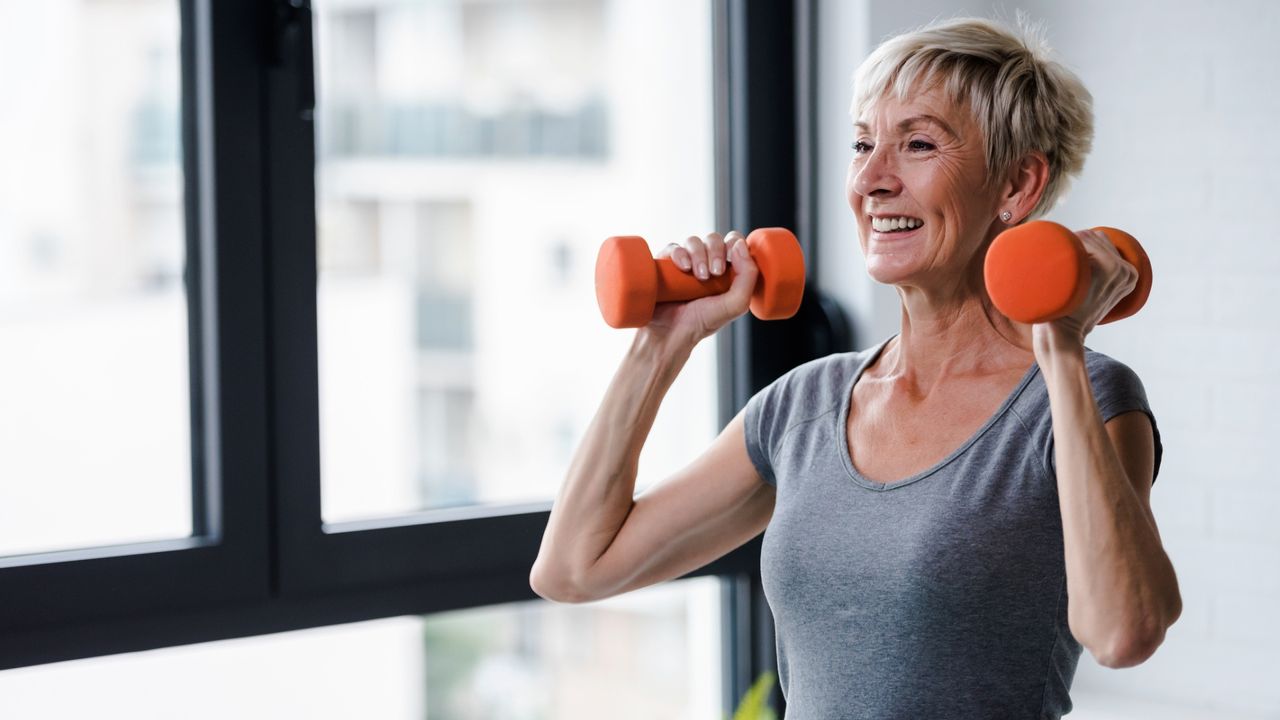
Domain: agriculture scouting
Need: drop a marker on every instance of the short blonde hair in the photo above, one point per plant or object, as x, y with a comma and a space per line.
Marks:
1021, 98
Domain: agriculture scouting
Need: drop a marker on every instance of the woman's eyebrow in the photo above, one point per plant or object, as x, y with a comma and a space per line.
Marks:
915, 120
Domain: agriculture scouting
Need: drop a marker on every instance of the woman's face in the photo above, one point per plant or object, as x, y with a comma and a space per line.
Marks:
918, 187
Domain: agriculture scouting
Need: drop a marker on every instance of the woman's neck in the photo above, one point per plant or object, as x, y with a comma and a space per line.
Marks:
963, 336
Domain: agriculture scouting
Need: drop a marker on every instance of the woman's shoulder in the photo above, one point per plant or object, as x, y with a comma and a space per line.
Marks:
814, 387
806, 392
1099, 362
823, 372
1114, 383
1102, 367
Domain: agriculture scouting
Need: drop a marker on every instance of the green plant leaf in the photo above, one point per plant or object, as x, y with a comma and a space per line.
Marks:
754, 705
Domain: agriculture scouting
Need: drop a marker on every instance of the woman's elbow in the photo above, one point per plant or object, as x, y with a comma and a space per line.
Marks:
1136, 647
553, 591
1131, 651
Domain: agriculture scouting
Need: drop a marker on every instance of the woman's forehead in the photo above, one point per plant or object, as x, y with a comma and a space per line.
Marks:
926, 106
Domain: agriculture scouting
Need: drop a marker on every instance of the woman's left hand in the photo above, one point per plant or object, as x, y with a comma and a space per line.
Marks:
1111, 279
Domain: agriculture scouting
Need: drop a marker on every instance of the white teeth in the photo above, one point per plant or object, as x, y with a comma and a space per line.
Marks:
891, 224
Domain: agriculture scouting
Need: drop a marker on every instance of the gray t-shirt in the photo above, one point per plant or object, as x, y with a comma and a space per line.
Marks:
940, 595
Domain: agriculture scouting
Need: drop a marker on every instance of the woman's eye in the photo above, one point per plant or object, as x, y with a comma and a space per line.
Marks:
861, 147
920, 145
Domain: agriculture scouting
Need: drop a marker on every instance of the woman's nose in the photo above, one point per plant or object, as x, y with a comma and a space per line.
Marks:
875, 175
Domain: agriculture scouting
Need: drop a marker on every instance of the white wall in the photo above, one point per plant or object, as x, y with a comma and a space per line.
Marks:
1186, 109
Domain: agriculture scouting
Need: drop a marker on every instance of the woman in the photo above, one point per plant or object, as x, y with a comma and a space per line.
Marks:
952, 514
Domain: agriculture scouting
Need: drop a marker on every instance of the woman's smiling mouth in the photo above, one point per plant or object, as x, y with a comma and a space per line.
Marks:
895, 226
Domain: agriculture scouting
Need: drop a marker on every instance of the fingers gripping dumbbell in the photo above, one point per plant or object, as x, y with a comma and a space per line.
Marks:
630, 282
1040, 271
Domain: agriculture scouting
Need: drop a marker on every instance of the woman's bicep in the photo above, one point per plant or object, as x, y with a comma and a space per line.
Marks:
1133, 438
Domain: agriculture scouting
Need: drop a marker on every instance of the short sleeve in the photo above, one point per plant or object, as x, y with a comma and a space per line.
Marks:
1117, 389
759, 418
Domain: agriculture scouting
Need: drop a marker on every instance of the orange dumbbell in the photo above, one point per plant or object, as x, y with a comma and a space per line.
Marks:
1039, 272
630, 282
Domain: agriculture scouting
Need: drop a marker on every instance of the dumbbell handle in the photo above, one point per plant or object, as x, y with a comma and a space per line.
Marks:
677, 285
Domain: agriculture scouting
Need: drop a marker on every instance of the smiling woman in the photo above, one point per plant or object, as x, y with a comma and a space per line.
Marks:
927, 502
1007, 466
941, 114
1019, 98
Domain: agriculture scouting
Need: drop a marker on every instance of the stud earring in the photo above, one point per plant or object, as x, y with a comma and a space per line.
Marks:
1006, 216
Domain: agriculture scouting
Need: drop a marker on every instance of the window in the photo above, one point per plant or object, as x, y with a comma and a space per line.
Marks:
95, 422
471, 159
312, 363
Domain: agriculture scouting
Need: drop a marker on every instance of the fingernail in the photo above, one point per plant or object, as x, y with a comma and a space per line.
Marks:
702, 270
683, 263
717, 266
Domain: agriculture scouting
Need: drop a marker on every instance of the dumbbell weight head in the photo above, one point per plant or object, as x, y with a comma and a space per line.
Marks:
780, 285
1036, 272
626, 281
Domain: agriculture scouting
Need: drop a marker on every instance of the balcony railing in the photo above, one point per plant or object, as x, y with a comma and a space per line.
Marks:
452, 131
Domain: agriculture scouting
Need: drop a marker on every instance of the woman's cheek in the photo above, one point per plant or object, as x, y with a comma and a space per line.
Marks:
849, 194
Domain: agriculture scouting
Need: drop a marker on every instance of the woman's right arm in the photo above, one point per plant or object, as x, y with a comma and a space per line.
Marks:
600, 540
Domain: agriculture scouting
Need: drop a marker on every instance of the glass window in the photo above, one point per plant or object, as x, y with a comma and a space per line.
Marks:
472, 157
95, 421
653, 653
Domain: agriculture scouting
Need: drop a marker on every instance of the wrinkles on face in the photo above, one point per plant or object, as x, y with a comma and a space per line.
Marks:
923, 157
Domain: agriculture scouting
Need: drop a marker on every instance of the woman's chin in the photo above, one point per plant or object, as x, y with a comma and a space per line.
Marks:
888, 271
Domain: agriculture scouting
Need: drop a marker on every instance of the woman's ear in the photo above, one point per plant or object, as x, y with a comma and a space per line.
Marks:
1027, 181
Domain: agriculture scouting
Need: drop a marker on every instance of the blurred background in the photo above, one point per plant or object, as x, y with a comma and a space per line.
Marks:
471, 156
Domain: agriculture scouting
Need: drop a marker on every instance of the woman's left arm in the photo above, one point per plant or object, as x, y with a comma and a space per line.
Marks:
1122, 590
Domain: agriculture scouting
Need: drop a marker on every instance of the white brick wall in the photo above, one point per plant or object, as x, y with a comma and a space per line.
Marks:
1186, 156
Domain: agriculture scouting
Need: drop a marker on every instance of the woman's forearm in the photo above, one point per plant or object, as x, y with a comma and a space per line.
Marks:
1120, 582
598, 491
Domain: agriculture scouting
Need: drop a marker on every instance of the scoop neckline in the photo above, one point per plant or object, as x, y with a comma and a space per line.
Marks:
842, 419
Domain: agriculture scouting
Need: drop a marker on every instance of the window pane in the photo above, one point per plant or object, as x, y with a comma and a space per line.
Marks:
95, 431
472, 158
653, 653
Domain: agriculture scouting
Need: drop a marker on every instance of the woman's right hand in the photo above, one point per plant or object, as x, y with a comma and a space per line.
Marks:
697, 319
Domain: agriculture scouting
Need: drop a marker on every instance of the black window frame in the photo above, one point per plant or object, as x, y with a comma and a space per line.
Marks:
261, 560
